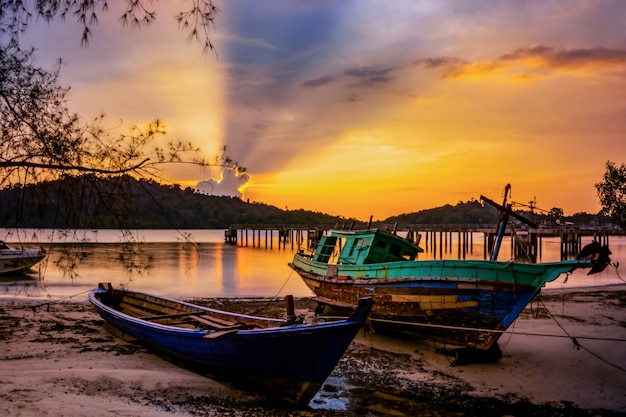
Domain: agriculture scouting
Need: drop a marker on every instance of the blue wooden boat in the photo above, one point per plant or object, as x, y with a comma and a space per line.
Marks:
268, 355
462, 303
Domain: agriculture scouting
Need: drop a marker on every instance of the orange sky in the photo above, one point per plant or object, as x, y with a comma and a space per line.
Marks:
362, 108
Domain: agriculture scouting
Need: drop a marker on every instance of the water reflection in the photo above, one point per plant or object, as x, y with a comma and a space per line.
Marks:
200, 264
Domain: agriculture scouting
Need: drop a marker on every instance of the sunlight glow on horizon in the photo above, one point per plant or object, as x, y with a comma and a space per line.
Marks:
345, 108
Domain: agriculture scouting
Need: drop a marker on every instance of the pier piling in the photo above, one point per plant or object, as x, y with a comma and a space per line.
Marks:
526, 244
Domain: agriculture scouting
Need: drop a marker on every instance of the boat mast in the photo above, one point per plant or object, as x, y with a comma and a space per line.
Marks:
504, 213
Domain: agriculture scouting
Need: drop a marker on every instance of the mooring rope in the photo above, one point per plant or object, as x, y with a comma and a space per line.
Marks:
272, 299
478, 329
616, 265
578, 346
48, 303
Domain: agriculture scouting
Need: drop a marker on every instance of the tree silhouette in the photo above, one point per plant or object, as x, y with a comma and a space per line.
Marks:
40, 138
16, 15
612, 193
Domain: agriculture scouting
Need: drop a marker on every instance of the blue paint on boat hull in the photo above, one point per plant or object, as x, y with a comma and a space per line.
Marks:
291, 361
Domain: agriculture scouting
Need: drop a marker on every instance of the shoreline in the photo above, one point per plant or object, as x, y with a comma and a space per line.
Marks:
58, 360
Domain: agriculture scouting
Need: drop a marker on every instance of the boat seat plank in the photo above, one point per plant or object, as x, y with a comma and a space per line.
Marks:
219, 320
176, 315
211, 323
154, 307
134, 311
139, 303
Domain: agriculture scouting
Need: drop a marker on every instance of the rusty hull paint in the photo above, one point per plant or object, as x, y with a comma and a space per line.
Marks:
417, 310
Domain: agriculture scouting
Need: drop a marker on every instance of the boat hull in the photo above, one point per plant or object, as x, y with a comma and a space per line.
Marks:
290, 362
464, 303
18, 260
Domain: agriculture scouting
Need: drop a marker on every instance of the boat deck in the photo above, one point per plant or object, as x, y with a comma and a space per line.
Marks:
175, 314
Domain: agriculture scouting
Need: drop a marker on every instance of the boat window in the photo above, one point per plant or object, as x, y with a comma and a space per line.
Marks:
325, 249
356, 246
395, 250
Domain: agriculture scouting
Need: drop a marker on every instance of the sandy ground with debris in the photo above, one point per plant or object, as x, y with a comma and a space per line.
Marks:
57, 360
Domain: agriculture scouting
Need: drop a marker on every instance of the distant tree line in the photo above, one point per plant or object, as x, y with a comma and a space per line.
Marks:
90, 201
474, 212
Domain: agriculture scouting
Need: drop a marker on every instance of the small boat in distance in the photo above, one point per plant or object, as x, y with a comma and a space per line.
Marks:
279, 357
17, 260
466, 303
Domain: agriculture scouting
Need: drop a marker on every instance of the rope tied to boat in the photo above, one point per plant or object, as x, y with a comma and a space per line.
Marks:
47, 304
567, 274
578, 346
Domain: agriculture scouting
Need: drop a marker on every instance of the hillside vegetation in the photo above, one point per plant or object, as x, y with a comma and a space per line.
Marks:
123, 202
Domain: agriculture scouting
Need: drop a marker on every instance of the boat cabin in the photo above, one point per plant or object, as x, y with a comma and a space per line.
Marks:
364, 247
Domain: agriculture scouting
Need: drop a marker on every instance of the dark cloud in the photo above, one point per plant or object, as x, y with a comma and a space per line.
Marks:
365, 76
538, 57
369, 77
318, 82
367, 72
524, 53
568, 58
438, 62
352, 99
372, 82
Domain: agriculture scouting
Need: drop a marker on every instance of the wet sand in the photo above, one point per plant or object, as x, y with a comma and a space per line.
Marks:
57, 360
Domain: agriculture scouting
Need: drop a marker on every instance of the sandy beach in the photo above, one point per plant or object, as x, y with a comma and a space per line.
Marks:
57, 360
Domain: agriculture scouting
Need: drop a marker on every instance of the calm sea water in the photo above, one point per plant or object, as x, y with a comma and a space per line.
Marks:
197, 263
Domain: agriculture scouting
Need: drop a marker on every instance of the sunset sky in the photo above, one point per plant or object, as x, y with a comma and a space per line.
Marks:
363, 107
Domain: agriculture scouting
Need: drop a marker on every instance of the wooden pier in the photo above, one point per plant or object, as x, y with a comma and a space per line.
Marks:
266, 235
436, 239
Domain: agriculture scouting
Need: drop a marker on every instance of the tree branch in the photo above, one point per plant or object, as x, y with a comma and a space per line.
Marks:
23, 164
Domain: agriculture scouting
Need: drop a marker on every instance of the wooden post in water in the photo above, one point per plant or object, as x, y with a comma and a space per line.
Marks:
291, 311
464, 243
441, 245
230, 236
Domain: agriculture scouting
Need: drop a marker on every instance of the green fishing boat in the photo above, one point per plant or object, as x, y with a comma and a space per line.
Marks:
466, 303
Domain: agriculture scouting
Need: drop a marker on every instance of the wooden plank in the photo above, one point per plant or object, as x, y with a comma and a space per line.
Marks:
211, 323
181, 324
176, 315
138, 303
149, 305
218, 334
434, 302
219, 320
134, 311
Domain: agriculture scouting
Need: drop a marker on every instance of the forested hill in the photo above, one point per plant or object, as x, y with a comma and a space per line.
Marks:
123, 202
